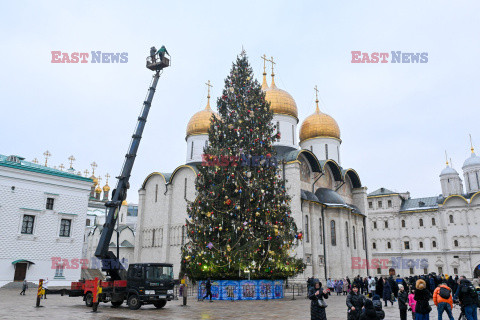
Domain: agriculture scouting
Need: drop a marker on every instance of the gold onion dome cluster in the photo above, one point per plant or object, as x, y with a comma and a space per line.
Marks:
319, 125
200, 122
106, 187
281, 102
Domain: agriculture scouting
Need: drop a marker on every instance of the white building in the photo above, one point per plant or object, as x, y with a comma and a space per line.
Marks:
438, 234
328, 202
43, 214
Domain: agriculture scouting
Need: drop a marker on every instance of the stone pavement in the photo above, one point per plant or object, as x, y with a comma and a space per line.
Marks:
14, 306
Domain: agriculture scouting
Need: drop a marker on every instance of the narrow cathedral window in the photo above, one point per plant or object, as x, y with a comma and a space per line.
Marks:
389, 245
320, 229
156, 192
440, 270
354, 239
403, 223
347, 233
421, 244
374, 224
185, 189
191, 150
333, 233
374, 245
455, 243
451, 219
433, 222
293, 134
307, 235
326, 151
421, 222
153, 238
386, 224
338, 153
455, 270
434, 244
389, 203
407, 245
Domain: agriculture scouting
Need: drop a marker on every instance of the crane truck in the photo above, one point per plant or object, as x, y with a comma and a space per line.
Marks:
142, 283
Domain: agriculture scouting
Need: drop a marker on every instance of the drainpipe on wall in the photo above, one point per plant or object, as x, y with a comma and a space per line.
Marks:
324, 244
366, 244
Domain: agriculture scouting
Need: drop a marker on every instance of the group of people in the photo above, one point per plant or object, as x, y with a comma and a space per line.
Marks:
412, 294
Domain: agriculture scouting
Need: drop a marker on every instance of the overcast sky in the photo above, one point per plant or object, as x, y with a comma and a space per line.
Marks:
396, 120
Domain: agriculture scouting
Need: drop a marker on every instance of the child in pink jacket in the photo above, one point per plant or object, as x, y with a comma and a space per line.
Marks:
412, 303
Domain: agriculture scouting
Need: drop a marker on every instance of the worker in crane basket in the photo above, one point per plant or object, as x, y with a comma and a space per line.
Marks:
161, 52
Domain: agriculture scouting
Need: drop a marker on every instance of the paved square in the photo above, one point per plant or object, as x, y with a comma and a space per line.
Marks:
55, 307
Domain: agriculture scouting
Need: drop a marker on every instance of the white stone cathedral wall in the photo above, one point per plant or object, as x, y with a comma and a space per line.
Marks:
317, 146
288, 130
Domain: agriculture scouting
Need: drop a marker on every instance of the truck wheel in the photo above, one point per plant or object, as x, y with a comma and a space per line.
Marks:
116, 304
89, 300
134, 302
160, 304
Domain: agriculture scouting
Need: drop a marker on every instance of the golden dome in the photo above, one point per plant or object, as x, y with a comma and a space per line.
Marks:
106, 188
319, 125
98, 189
200, 122
124, 203
281, 102
95, 180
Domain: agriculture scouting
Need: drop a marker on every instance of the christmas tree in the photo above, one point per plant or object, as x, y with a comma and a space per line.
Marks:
241, 219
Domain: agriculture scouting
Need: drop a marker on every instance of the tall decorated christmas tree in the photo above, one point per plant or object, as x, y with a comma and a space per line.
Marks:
241, 219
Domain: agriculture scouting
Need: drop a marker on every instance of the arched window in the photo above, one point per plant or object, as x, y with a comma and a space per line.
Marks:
434, 244
374, 224
433, 222
320, 230
326, 151
455, 243
374, 245
191, 150
389, 245
421, 244
403, 223
333, 233
347, 233
307, 235
386, 224
354, 239
451, 219
420, 222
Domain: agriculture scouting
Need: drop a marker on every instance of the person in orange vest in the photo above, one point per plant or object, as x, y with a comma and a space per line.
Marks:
442, 297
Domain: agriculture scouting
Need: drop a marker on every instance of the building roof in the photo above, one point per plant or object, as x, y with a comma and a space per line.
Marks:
472, 161
329, 198
419, 204
21, 164
381, 192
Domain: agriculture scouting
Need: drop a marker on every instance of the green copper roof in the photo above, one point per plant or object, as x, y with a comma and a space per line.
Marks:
33, 167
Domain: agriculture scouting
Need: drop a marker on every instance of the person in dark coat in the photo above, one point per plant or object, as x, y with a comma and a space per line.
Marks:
355, 303
208, 287
369, 312
451, 283
377, 304
402, 302
422, 296
387, 293
314, 294
393, 283
379, 288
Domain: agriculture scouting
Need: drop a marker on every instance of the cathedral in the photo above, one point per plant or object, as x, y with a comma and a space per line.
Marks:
329, 203
431, 234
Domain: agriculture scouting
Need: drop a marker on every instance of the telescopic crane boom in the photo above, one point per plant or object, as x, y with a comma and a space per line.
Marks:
155, 62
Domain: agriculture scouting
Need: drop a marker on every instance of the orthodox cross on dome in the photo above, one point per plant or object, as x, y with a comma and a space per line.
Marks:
71, 159
471, 144
47, 155
94, 166
208, 95
86, 172
107, 176
316, 98
61, 166
446, 158
264, 57
99, 179
273, 63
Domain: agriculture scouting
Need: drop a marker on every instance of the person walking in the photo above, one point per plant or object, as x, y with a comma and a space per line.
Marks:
402, 302
422, 296
393, 283
379, 287
45, 287
24, 287
355, 303
468, 298
208, 287
317, 305
377, 304
371, 286
387, 293
442, 297
412, 302
330, 286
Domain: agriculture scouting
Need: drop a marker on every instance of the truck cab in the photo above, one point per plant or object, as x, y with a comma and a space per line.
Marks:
149, 283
